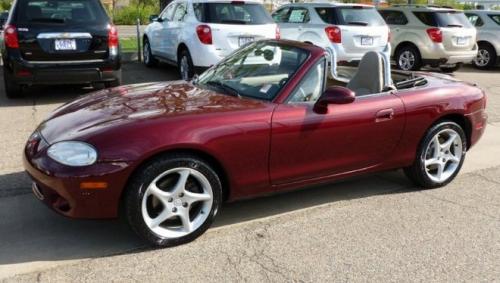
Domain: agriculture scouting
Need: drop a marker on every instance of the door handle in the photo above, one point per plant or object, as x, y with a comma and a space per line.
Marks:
384, 115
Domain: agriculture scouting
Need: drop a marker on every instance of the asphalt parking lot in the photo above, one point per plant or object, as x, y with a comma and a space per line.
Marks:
373, 228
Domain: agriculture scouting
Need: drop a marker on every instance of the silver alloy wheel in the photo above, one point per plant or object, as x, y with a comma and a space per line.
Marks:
443, 155
145, 53
171, 208
482, 58
406, 60
184, 68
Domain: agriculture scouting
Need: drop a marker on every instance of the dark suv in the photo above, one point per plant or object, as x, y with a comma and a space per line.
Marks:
59, 42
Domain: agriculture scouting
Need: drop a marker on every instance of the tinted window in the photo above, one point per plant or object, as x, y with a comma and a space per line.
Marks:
359, 15
168, 12
61, 12
495, 18
475, 20
394, 17
328, 15
232, 13
292, 15
258, 70
180, 12
443, 19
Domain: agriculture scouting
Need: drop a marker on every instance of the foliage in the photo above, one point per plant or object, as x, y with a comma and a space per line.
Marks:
138, 9
5, 5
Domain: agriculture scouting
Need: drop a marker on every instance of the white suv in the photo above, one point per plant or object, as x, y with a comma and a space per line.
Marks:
425, 35
198, 34
487, 24
350, 30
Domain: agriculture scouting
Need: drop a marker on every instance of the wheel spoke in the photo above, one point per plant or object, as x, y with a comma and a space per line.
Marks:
431, 161
180, 187
157, 192
440, 169
449, 141
454, 158
196, 197
186, 223
164, 215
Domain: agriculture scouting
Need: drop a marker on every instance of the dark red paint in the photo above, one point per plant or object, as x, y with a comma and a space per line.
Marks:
262, 147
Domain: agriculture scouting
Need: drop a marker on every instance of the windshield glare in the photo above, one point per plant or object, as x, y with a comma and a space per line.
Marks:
258, 70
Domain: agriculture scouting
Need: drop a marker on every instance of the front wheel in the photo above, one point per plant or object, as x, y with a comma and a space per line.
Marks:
408, 59
173, 199
147, 56
439, 157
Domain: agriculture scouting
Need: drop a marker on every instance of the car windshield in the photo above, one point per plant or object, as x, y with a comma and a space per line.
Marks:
351, 15
235, 12
258, 70
61, 11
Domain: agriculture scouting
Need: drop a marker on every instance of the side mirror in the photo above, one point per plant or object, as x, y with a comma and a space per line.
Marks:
333, 95
153, 18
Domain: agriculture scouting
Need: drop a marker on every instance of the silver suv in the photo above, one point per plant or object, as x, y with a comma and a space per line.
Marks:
428, 35
488, 37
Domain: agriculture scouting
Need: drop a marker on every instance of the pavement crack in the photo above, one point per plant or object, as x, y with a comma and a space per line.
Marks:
34, 111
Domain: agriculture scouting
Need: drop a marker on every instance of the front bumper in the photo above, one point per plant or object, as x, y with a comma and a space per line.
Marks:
58, 186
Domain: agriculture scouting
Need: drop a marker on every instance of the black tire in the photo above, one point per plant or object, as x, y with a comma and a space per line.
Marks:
451, 69
489, 51
190, 67
116, 82
147, 55
417, 171
12, 89
137, 188
417, 63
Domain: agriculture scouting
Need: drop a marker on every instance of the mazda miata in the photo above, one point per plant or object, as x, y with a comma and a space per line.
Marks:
270, 117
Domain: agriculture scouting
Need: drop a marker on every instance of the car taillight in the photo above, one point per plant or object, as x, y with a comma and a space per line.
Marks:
334, 34
113, 39
10, 36
278, 32
204, 34
435, 35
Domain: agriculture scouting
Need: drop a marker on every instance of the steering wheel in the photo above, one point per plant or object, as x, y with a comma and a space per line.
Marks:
304, 96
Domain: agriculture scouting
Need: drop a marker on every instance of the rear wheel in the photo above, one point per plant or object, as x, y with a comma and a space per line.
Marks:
451, 69
185, 65
116, 82
486, 56
439, 157
408, 58
12, 89
173, 199
147, 55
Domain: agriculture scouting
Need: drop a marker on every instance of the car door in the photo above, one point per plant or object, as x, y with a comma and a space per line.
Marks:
161, 37
291, 21
349, 137
173, 32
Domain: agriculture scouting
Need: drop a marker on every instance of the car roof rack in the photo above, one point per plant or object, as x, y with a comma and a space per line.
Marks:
423, 6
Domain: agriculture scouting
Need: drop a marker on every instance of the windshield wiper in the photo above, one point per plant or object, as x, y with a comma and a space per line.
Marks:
228, 89
48, 20
354, 23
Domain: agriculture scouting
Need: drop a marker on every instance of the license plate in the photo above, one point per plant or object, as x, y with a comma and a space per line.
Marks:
65, 44
244, 40
366, 40
461, 40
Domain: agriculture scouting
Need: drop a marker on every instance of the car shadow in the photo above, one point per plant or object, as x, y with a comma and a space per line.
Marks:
132, 73
30, 232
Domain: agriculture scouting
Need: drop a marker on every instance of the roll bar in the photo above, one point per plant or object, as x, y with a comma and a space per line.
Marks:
385, 54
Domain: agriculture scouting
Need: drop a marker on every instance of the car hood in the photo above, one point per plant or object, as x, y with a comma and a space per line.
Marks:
116, 107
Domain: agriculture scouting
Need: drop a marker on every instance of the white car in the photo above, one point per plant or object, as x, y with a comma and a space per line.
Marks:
428, 35
197, 34
350, 29
487, 24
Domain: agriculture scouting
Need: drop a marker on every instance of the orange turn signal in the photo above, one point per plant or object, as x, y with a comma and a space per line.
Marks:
93, 185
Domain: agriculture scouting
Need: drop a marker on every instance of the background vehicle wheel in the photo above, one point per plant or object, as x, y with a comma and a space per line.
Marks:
408, 58
439, 157
173, 199
185, 65
486, 56
451, 69
12, 89
116, 82
147, 55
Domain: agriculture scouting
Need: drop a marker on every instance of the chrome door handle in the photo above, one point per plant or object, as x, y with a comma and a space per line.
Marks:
384, 115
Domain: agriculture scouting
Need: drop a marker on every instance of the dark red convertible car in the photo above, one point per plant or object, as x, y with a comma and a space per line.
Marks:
268, 118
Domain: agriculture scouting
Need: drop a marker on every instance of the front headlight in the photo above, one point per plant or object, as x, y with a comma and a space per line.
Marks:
73, 153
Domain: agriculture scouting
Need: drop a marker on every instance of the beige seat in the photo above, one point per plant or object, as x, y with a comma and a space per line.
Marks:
369, 77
